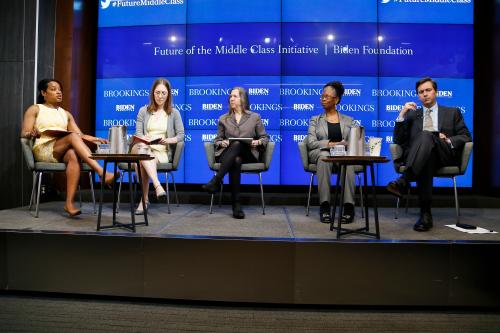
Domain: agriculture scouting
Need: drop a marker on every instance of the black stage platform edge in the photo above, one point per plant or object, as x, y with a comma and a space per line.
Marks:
254, 270
242, 305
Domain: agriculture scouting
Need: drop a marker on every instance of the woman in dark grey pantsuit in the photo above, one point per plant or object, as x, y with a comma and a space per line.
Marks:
326, 130
239, 122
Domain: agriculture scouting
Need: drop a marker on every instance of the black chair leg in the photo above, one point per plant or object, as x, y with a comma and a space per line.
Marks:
92, 191
33, 192
212, 196
309, 194
39, 185
168, 192
396, 210
220, 194
361, 197
262, 194
119, 193
457, 206
211, 203
407, 200
175, 189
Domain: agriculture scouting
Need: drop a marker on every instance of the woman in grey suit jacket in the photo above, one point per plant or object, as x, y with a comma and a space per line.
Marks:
325, 131
156, 120
239, 122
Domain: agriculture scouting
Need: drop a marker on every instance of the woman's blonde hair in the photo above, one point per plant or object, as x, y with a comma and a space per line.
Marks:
168, 103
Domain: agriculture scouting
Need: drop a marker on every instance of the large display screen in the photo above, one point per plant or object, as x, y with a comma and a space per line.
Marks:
282, 52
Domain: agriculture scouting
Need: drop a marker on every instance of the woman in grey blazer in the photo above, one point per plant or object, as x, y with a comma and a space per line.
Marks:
156, 120
239, 122
325, 131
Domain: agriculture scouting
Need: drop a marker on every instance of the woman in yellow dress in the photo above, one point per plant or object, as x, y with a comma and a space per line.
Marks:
69, 148
157, 120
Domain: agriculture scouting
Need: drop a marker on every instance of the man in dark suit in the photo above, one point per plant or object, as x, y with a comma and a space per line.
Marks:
431, 136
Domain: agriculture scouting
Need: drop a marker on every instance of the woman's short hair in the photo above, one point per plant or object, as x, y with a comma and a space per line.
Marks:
152, 106
43, 85
337, 86
245, 103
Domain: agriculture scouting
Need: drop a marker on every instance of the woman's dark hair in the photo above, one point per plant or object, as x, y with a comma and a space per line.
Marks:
42, 86
152, 107
337, 86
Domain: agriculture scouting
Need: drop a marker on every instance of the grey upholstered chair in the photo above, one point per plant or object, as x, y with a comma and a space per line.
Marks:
312, 168
257, 168
445, 172
39, 168
167, 168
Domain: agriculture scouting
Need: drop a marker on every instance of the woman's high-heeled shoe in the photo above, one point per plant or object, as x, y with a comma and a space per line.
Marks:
160, 192
212, 186
72, 212
110, 178
140, 210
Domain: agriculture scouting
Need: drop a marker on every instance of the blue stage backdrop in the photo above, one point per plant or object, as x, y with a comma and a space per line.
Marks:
282, 52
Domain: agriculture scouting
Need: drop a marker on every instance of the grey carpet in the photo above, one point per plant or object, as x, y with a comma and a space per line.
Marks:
48, 314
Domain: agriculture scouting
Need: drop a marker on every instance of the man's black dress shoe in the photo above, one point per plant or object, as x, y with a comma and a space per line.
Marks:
237, 212
347, 214
398, 187
424, 223
212, 186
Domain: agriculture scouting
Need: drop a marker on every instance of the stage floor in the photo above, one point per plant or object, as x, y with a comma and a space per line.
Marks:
279, 223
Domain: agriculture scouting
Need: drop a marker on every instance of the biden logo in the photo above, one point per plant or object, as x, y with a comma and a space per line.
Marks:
258, 91
125, 108
211, 106
299, 137
208, 137
393, 107
303, 107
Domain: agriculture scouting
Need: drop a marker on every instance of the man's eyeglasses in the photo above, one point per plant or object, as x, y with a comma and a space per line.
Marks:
161, 93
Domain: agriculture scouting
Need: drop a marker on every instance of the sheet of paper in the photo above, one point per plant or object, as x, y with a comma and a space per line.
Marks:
249, 140
478, 230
